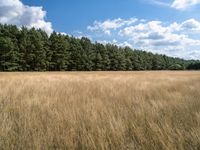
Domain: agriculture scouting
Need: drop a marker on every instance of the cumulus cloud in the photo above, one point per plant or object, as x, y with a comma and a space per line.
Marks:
15, 12
154, 33
191, 24
108, 25
184, 4
174, 39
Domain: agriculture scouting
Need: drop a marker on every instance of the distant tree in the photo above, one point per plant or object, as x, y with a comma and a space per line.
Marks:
102, 56
88, 55
9, 51
128, 58
98, 62
8, 55
33, 50
77, 55
176, 67
194, 66
59, 52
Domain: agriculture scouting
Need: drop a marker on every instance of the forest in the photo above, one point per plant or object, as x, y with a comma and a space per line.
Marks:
23, 49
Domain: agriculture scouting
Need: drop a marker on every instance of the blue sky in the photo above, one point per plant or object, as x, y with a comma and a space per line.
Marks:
71, 15
169, 27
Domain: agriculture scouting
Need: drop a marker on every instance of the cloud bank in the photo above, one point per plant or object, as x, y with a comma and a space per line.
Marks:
15, 12
174, 39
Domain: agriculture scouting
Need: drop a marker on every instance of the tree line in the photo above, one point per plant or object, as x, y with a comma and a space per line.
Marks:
33, 50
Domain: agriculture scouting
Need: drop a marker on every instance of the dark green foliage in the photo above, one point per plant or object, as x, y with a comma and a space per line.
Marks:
9, 51
36, 52
194, 66
176, 67
58, 53
32, 50
78, 56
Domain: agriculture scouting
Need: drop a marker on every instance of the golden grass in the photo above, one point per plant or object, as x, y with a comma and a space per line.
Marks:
100, 110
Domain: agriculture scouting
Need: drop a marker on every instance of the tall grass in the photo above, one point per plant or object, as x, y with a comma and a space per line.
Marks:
102, 110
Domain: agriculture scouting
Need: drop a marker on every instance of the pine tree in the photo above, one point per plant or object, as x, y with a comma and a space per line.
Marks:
104, 56
59, 48
88, 54
35, 54
9, 52
32, 50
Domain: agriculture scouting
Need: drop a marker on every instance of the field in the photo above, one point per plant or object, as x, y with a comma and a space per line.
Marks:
100, 110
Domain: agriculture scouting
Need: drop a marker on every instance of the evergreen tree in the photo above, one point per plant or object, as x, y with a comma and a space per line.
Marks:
59, 52
9, 52
35, 53
8, 55
88, 54
77, 55
128, 54
33, 50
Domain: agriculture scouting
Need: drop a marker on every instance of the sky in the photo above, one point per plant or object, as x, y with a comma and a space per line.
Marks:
170, 27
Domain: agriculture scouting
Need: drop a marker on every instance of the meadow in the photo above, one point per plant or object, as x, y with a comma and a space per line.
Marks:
100, 110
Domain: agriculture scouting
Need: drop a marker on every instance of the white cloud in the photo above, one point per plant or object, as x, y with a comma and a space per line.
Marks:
174, 39
108, 25
15, 12
154, 33
184, 4
191, 24
176, 4
115, 42
159, 2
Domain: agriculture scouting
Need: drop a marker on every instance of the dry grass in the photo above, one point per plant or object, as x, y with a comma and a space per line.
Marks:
102, 110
